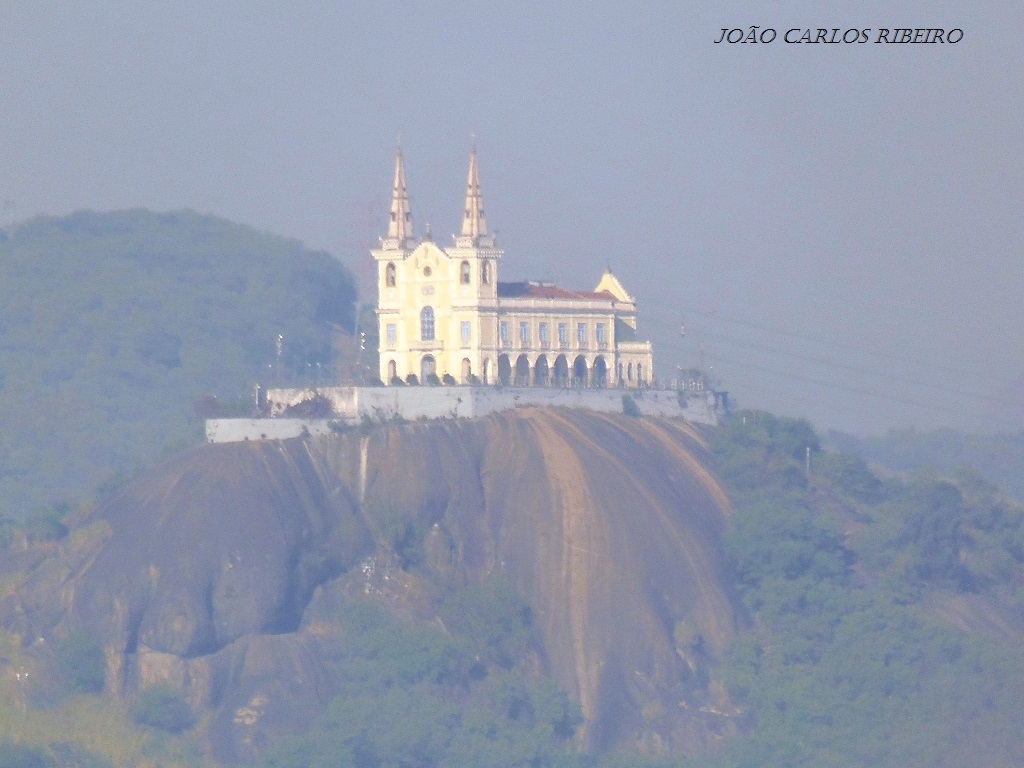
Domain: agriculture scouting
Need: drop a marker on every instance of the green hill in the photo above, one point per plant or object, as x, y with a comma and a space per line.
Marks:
887, 614
112, 325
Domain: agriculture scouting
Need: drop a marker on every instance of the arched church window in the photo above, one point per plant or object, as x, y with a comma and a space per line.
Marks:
485, 273
464, 273
427, 272
427, 324
391, 276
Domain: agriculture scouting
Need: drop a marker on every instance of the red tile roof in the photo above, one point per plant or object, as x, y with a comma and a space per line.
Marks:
531, 290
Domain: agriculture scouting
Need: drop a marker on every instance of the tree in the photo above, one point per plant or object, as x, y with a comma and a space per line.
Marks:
81, 661
161, 707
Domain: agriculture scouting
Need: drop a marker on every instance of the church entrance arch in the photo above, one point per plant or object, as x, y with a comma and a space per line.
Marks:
579, 371
392, 371
504, 370
487, 371
428, 368
561, 371
540, 372
600, 372
522, 371
467, 370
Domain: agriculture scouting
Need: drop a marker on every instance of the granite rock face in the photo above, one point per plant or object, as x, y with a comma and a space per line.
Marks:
221, 571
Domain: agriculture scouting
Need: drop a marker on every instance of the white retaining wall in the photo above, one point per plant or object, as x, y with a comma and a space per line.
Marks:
352, 404
238, 430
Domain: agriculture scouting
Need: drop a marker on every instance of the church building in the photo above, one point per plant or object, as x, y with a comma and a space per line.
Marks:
443, 313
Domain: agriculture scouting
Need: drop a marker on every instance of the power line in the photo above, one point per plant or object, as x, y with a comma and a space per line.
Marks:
923, 386
746, 389
903, 359
858, 369
891, 396
830, 385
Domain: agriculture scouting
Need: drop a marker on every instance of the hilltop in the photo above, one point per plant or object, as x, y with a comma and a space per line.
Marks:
228, 571
541, 586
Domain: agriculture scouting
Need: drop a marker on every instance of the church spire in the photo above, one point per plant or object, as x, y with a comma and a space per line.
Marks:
400, 225
474, 224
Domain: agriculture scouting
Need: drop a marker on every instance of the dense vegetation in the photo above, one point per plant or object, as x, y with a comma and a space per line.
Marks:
423, 696
114, 327
860, 592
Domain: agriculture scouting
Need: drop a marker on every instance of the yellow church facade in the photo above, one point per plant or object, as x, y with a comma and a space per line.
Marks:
444, 316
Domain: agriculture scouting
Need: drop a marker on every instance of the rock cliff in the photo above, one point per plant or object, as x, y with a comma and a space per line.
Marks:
218, 572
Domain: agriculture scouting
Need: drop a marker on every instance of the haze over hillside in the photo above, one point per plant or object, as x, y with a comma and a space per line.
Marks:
997, 458
825, 231
112, 325
535, 587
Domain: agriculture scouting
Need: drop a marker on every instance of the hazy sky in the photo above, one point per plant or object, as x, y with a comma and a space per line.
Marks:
838, 226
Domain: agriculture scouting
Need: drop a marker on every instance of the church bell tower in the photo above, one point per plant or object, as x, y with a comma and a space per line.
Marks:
475, 248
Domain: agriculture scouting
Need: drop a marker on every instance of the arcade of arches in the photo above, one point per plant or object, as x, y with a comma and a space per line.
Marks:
543, 371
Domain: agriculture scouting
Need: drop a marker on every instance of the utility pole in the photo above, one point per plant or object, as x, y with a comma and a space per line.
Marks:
357, 372
22, 676
280, 349
682, 339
